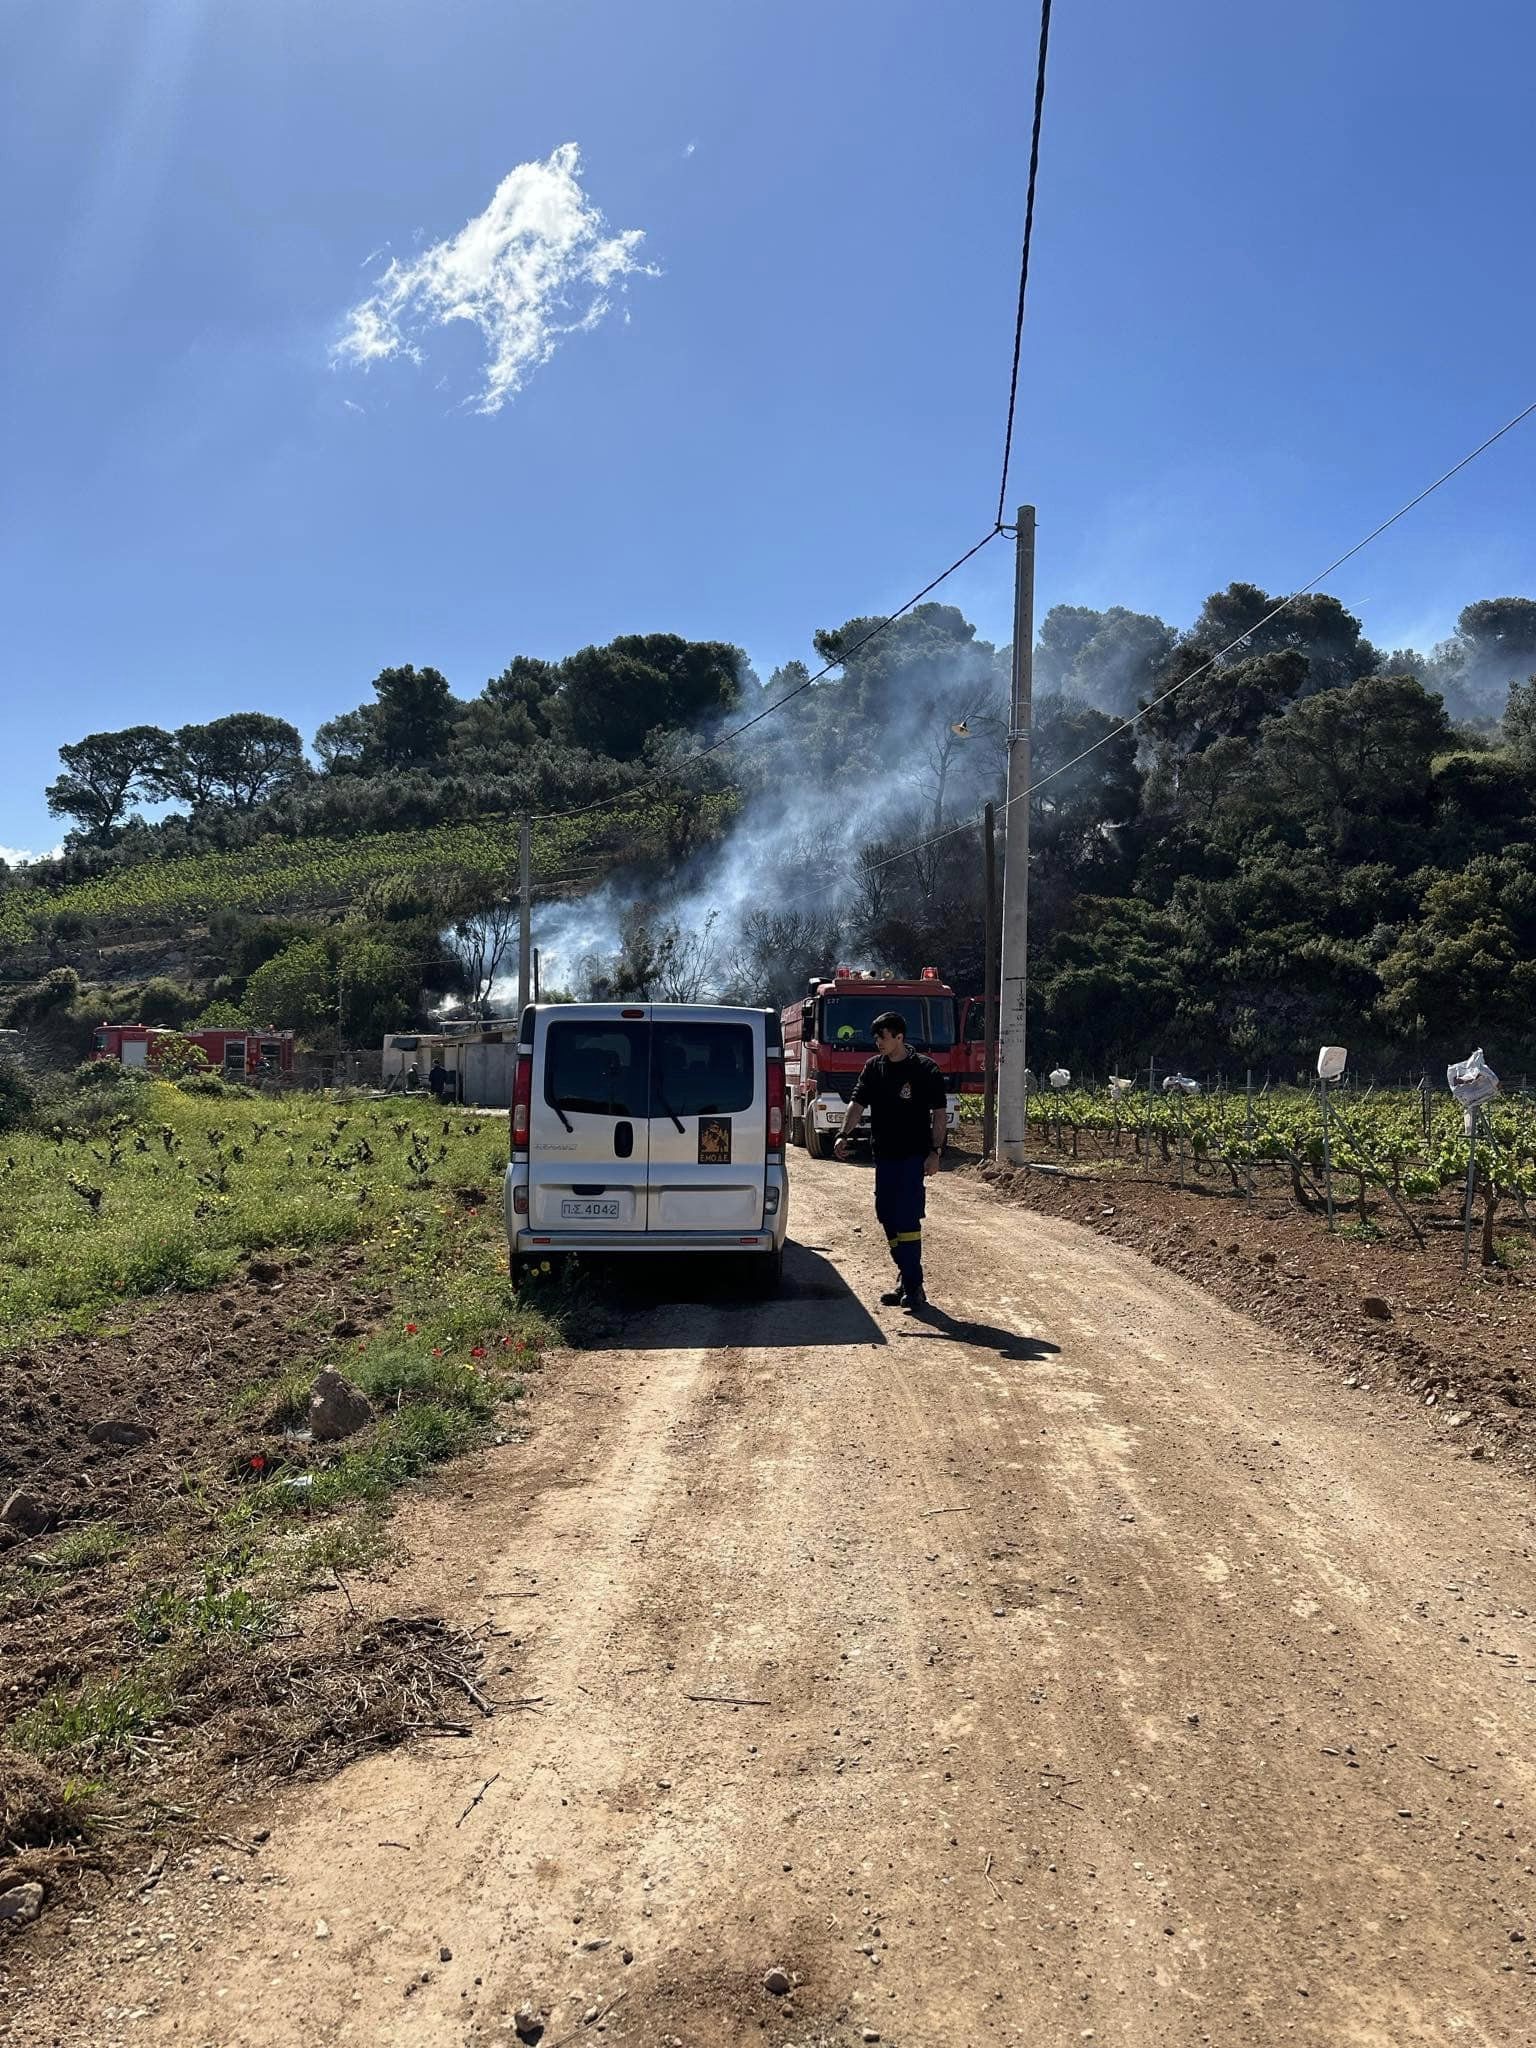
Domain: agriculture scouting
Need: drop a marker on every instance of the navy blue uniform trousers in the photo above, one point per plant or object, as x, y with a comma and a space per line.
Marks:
901, 1196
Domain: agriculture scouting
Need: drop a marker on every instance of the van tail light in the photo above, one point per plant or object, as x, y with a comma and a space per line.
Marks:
774, 1091
520, 1201
522, 1101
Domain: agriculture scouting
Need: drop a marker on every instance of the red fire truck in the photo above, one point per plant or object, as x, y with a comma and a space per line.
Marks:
827, 1039
237, 1055
973, 1044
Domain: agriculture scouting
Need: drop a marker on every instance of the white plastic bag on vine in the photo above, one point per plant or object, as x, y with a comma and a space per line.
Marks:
1180, 1084
1331, 1062
1060, 1077
1473, 1082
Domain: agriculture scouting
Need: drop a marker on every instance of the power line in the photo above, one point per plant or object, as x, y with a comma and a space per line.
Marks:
1029, 232
840, 660
1129, 724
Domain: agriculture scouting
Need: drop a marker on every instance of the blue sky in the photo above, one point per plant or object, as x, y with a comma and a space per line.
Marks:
1282, 277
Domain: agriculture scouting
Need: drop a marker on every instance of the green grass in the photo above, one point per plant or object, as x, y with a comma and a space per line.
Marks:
167, 1614
82, 1550
449, 1356
401, 1448
80, 1805
104, 1716
194, 1184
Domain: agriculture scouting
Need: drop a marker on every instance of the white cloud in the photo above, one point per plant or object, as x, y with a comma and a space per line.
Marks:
14, 856
538, 264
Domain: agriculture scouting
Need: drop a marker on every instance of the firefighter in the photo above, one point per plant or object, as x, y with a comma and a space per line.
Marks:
908, 1106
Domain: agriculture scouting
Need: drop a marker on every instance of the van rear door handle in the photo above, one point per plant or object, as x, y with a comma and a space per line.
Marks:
623, 1140
590, 1187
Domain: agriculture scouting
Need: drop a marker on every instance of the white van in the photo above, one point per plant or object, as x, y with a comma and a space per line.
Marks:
648, 1127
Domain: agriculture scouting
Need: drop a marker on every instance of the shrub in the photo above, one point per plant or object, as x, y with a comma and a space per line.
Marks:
213, 1084
18, 1098
98, 1074
163, 1001
174, 1057
61, 988
221, 1016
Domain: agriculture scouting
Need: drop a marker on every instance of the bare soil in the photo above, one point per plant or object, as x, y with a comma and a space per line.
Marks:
1081, 1663
1385, 1311
246, 1713
173, 1369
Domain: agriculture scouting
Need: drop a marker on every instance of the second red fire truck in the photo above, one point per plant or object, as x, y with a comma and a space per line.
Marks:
827, 1039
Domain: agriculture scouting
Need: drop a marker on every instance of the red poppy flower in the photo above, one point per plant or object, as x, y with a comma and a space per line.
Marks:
411, 1329
477, 1351
437, 1350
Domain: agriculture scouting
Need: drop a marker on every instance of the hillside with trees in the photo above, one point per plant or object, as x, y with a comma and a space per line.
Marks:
1302, 836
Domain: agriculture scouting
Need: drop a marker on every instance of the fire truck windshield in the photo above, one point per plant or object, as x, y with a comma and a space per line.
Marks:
846, 1021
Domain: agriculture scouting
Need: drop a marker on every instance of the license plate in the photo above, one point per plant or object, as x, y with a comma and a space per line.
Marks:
589, 1212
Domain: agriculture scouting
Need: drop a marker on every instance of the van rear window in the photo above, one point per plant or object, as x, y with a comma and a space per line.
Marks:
700, 1069
598, 1068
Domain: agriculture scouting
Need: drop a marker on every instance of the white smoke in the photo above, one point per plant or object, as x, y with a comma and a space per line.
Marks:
816, 809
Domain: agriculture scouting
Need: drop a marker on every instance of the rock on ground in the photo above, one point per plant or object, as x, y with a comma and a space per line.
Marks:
24, 1511
337, 1408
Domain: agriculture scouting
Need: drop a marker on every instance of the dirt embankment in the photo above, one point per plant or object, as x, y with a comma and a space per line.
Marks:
1384, 1311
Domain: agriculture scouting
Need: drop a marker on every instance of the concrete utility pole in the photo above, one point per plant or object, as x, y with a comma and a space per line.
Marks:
1012, 1051
524, 914
989, 983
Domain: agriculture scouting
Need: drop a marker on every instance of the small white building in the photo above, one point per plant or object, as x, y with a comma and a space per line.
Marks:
479, 1059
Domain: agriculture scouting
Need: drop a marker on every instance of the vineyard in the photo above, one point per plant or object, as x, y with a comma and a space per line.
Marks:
320, 874
1387, 1162
169, 1192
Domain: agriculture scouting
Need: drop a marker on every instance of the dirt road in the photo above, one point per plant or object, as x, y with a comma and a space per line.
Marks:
1115, 1677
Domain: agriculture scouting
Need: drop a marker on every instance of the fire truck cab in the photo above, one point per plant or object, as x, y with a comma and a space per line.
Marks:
827, 1039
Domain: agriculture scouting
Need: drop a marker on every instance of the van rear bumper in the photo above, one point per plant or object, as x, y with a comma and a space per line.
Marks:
530, 1245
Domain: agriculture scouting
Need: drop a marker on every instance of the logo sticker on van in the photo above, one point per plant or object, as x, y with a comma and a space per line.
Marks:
714, 1141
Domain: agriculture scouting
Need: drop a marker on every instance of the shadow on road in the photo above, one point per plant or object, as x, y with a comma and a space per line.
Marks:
641, 1304
939, 1325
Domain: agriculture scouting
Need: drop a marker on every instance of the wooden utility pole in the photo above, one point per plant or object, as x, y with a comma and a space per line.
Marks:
524, 914
989, 982
1013, 1062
